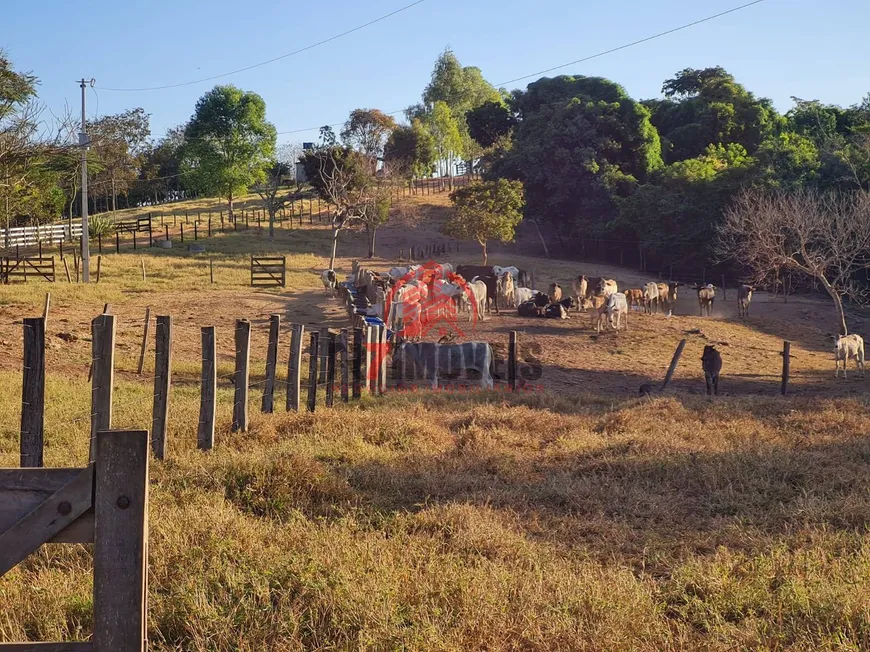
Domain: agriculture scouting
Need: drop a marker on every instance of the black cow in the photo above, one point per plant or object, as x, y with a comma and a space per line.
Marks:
468, 272
540, 299
529, 309
711, 363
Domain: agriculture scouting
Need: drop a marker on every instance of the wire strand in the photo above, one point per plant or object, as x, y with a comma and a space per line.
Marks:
283, 56
633, 43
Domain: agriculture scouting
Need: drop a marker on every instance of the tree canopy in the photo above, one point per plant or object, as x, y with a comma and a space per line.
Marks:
228, 142
489, 210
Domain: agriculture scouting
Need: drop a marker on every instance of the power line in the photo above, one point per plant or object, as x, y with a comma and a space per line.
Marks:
633, 43
584, 59
283, 56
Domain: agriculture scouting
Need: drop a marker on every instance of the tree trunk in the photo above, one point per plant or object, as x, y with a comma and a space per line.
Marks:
271, 222
230, 205
485, 256
334, 247
113, 195
371, 231
838, 304
541, 236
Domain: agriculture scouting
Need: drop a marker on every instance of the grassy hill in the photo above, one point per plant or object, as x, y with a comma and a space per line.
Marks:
576, 516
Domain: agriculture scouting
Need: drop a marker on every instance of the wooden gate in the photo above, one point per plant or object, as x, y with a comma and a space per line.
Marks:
268, 272
27, 266
105, 503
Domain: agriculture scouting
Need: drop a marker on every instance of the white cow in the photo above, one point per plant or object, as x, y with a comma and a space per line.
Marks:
478, 292
523, 294
329, 280
579, 285
848, 347
650, 297
499, 272
617, 306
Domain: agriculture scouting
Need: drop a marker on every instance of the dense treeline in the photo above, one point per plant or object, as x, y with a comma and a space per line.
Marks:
594, 162
597, 163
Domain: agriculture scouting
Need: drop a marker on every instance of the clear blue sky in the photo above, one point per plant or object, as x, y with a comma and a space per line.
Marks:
807, 48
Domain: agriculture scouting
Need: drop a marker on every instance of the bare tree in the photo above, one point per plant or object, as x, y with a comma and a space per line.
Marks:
821, 236
272, 192
361, 198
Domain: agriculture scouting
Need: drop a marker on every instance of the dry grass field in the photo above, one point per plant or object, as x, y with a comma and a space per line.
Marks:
574, 516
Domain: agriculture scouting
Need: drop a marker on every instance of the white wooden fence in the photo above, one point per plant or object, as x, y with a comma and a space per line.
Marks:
24, 236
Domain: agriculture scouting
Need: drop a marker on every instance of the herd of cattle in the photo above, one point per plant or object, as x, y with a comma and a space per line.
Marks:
415, 296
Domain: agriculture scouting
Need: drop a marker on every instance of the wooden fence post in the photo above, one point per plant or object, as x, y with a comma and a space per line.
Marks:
99, 267
382, 359
208, 384
271, 365
786, 366
240, 377
33, 392
343, 351
330, 370
312, 371
211, 269
144, 340
370, 358
294, 366
120, 540
673, 364
323, 352
724, 290
512, 361
46, 307
162, 376
358, 346
103, 377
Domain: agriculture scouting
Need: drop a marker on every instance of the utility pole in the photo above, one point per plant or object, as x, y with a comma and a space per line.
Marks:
84, 143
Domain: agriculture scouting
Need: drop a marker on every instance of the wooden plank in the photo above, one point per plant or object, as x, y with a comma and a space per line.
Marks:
322, 354
512, 361
241, 375
24, 489
268, 404
330, 369
46, 520
207, 402
370, 378
294, 366
673, 365
786, 366
33, 392
144, 340
382, 359
46, 306
103, 365
121, 540
162, 380
312, 371
75, 646
343, 351
358, 346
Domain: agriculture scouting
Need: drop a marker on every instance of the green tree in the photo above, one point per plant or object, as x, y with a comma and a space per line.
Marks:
228, 143
576, 152
461, 88
410, 150
489, 123
367, 131
708, 107
489, 210
118, 141
788, 161
445, 133
676, 212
